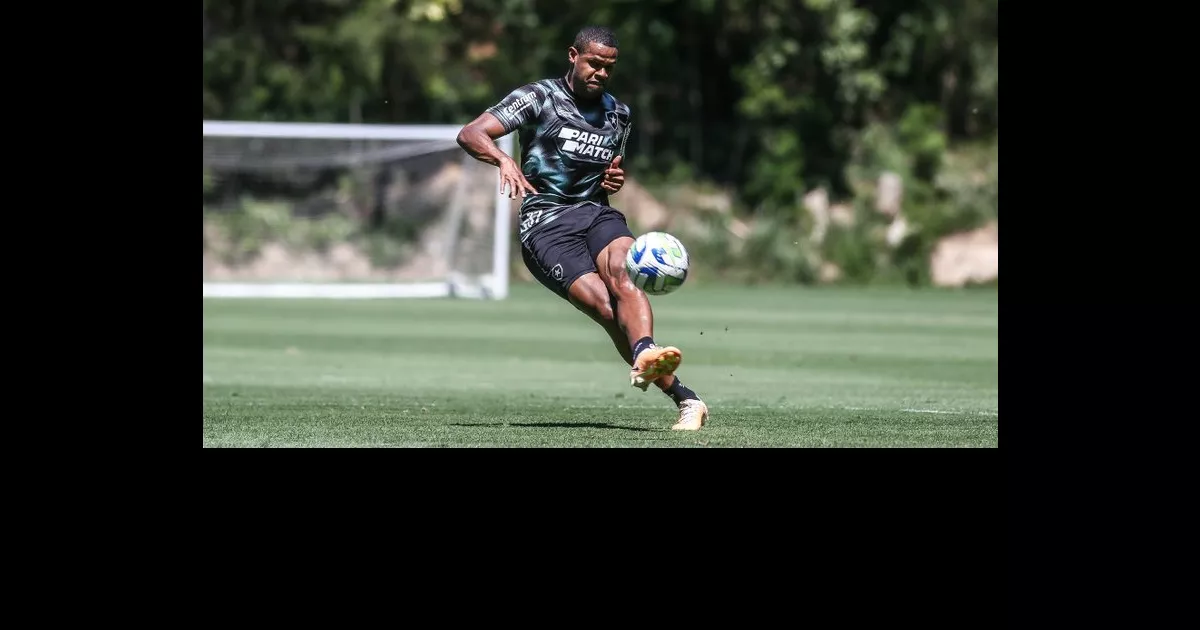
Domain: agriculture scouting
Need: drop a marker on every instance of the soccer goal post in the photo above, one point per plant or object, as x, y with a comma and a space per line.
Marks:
306, 210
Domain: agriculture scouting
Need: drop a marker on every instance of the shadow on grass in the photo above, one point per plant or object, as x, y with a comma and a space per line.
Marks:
562, 425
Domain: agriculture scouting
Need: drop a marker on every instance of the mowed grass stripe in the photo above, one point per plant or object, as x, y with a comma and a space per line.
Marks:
464, 369
490, 423
533, 365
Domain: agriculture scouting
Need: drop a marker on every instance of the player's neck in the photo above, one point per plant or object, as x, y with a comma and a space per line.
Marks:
581, 98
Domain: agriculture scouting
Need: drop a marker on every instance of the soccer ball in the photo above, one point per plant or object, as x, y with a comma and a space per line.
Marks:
657, 263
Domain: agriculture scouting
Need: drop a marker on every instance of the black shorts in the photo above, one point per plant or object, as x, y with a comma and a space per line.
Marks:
566, 248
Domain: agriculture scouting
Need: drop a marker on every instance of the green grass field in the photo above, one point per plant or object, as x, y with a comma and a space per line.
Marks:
789, 367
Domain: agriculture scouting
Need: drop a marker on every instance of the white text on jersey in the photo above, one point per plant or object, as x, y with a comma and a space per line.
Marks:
520, 103
585, 144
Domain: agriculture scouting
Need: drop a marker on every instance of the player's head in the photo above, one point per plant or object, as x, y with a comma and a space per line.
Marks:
592, 57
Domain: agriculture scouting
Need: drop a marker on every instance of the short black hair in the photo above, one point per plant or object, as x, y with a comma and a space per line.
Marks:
595, 35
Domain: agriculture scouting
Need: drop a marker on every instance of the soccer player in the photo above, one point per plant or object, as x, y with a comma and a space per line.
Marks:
572, 133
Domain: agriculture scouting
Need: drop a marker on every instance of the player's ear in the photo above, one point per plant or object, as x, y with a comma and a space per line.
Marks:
572, 54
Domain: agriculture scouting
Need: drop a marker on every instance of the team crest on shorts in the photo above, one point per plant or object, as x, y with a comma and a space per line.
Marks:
557, 271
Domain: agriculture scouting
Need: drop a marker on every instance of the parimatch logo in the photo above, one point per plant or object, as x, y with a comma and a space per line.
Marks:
584, 144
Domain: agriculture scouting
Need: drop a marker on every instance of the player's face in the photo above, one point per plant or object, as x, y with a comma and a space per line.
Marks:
591, 68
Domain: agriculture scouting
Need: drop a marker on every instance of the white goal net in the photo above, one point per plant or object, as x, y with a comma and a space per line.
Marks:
351, 211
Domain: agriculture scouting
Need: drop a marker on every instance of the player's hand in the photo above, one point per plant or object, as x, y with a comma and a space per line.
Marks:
511, 180
614, 177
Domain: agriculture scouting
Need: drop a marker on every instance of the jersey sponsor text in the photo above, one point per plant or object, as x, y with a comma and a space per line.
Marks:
521, 103
585, 144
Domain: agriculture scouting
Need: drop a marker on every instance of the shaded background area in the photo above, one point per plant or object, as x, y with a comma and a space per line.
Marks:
798, 141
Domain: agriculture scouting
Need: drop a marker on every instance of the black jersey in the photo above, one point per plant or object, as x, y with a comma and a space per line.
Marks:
565, 146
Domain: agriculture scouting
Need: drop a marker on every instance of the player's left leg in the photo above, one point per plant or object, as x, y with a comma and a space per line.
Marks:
609, 238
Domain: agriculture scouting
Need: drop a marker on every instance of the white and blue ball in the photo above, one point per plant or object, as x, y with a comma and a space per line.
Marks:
657, 263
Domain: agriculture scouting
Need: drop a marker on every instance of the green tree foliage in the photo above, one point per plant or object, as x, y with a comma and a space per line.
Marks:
769, 98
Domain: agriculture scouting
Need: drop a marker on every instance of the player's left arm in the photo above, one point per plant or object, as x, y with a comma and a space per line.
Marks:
614, 175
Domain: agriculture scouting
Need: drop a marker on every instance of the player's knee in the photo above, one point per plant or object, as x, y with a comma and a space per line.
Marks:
600, 304
617, 278
589, 295
598, 309
605, 312
621, 286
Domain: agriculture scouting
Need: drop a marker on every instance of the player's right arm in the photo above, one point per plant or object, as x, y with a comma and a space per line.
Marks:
478, 137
